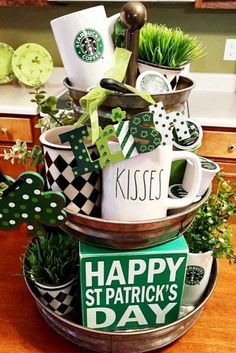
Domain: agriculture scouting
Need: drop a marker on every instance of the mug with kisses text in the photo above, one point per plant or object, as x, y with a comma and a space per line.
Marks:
136, 189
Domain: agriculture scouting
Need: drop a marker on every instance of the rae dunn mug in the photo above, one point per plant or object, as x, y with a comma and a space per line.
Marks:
84, 41
136, 189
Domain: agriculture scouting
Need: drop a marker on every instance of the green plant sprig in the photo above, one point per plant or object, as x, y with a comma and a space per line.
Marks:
46, 105
165, 46
50, 117
23, 155
47, 109
52, 259
118, 34
211, 229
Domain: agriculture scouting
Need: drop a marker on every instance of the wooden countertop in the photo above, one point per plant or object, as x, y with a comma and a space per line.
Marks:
23, 330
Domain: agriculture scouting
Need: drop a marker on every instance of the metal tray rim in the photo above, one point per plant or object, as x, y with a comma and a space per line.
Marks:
209, 290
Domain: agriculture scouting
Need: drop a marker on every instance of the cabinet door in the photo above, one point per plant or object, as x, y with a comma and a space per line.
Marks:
215, 4
220, 146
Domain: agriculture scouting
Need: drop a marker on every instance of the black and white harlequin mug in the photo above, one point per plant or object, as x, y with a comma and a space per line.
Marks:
83, 193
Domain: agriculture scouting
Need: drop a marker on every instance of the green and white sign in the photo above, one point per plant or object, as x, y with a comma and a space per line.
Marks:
133, 289
89, 45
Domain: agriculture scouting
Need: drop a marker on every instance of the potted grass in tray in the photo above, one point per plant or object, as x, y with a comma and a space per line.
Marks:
52, 263
167, 50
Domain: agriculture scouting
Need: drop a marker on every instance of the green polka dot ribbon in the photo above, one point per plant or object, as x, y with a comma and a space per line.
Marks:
28, 203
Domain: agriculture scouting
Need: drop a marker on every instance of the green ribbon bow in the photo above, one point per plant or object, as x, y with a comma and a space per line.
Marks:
97, 95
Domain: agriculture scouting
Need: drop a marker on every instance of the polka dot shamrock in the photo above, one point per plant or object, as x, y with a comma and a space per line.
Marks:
28, 203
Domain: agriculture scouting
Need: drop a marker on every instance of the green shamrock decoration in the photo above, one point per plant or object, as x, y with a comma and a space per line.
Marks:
106, 156
142, 126
117, 115
28, 203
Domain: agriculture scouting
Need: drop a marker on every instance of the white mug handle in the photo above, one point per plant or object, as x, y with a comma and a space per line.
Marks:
196, 180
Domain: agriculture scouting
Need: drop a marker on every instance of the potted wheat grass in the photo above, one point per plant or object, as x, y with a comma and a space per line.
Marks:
51, 262
167, 50
163, 49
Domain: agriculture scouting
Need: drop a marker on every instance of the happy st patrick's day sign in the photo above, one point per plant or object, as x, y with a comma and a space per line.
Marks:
137, 290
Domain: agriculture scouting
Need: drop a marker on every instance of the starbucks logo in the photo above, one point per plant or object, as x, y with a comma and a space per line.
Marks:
194, 275
89, 45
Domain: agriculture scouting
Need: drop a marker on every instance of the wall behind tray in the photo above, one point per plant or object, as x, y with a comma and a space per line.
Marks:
19, 25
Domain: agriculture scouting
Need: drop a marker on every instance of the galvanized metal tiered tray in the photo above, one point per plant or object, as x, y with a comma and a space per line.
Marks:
131, 235
136, 341
173, 101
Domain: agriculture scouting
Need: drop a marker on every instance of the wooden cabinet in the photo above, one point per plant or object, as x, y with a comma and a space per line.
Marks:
14, 127
219, 144
215, 4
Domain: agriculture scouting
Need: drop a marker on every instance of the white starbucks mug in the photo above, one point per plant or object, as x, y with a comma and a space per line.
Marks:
84, 42
136, 189
197, 277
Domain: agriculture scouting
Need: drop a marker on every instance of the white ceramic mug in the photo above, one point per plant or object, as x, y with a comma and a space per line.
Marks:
84, 41
197, 277
136, 189
209, 170
82, 193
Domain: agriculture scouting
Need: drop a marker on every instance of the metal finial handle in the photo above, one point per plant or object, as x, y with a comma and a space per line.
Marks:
133, 15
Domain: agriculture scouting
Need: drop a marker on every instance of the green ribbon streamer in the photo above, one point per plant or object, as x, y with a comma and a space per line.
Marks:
146, 96
91, 101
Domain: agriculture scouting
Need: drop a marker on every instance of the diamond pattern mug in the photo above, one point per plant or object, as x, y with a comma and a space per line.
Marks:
83, 193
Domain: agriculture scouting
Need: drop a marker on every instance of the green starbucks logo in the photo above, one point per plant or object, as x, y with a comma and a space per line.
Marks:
194, 275
89, 45
206, 164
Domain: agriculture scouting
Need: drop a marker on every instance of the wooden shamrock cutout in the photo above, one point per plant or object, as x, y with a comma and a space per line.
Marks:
146, 138
28, 203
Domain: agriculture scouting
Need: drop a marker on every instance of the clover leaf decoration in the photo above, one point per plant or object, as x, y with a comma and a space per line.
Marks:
117, 115
28, 203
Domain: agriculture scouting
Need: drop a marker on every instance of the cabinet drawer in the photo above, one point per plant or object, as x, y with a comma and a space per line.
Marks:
218, 144
15, 128
13, 170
